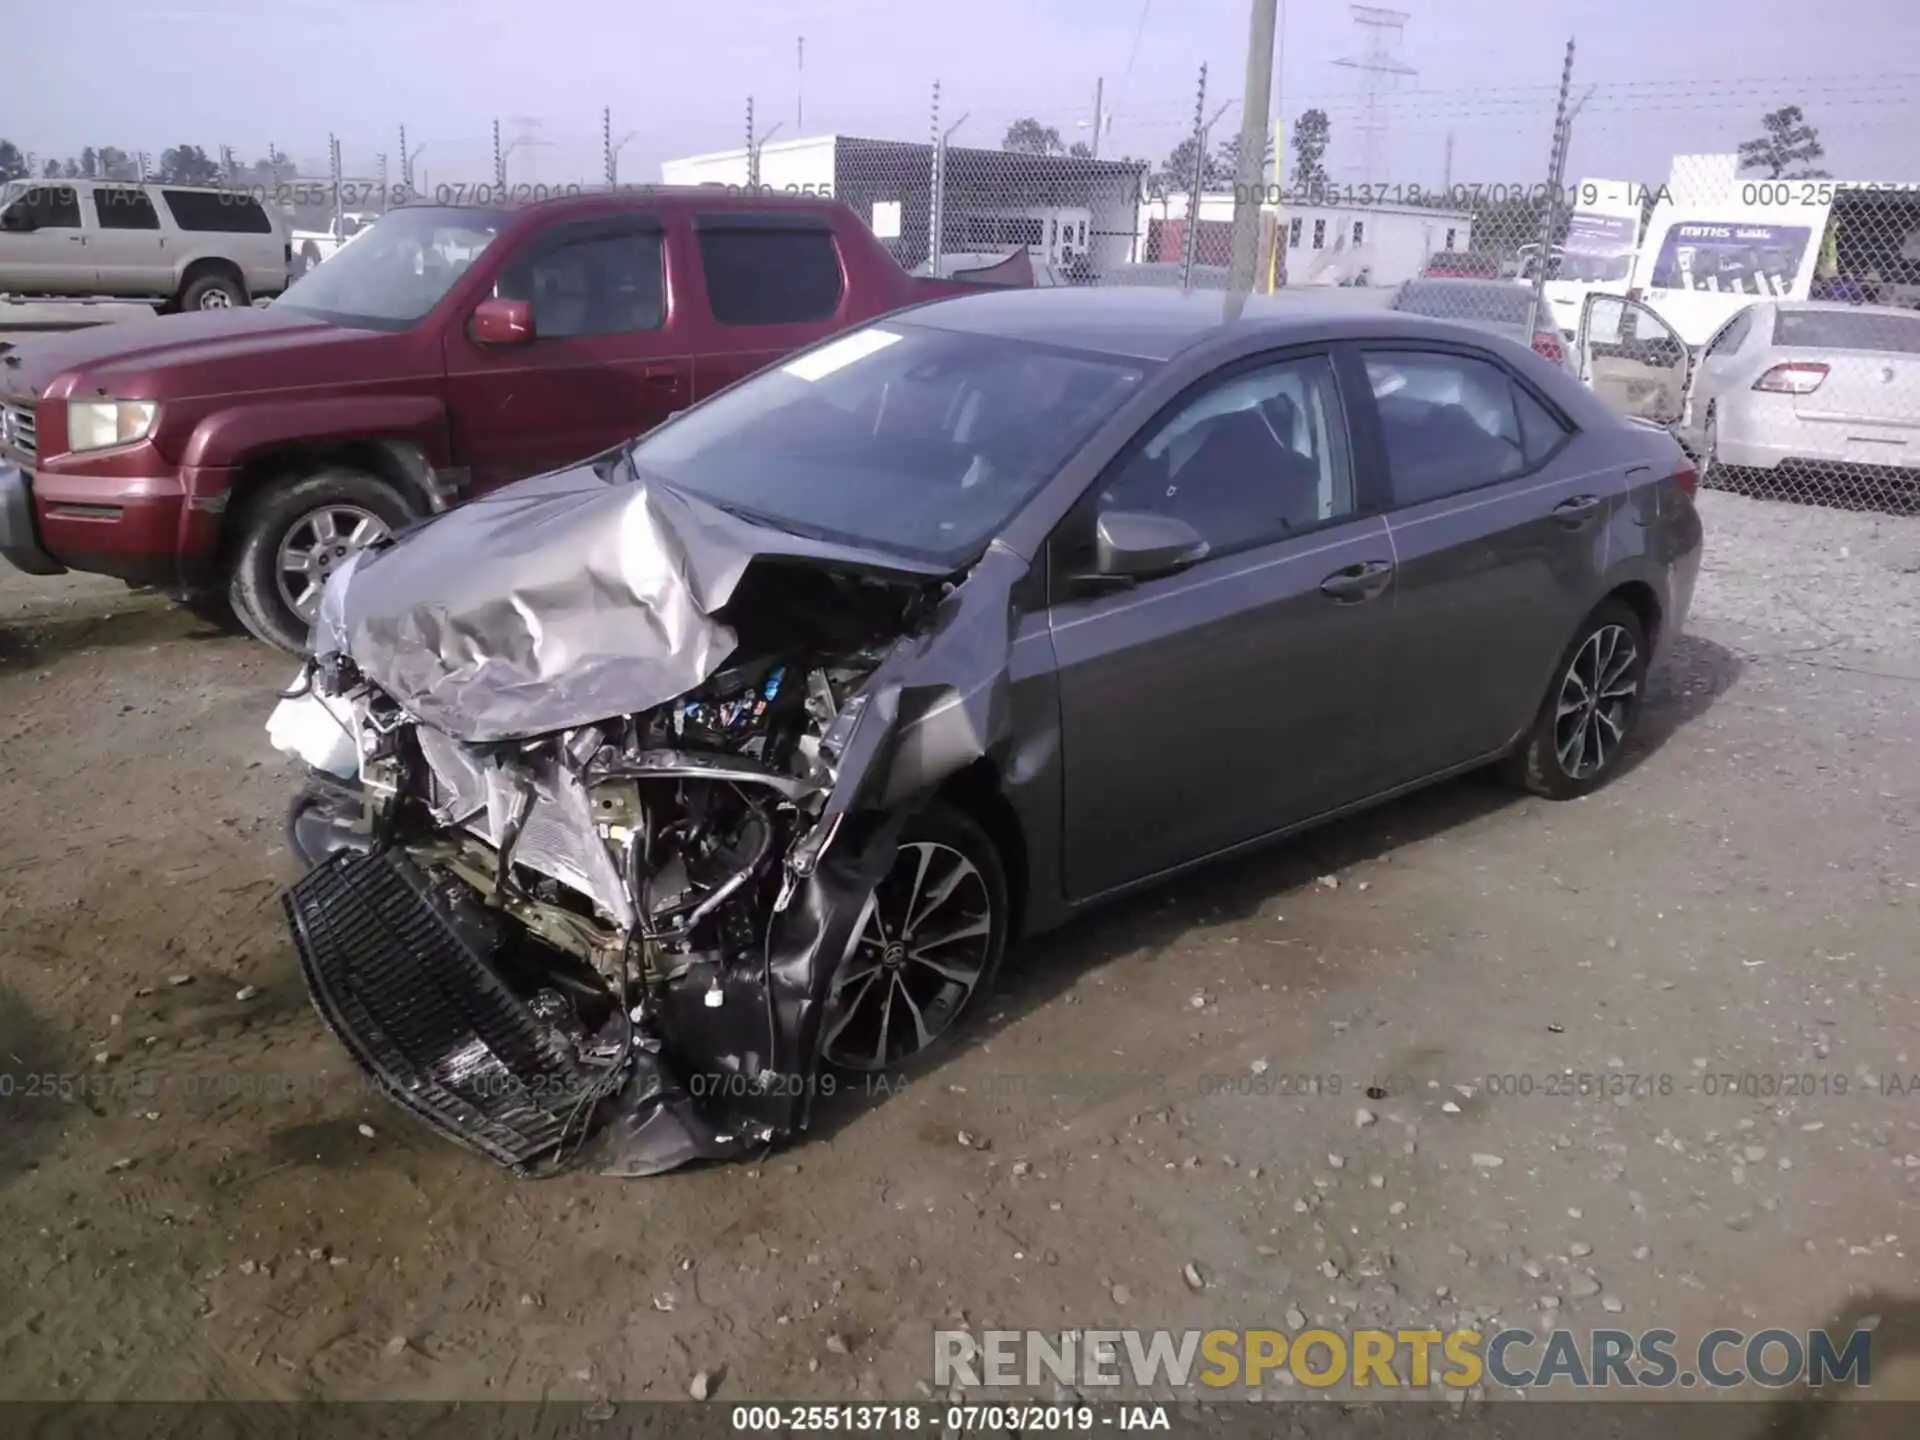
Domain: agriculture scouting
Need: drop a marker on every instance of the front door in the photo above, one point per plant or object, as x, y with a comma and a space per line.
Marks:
1499, 538
44, 245
1208, 707
608, 359
1633, 359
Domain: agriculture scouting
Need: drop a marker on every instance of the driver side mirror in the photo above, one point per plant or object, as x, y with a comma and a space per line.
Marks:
1138, 545
502, 322
18, 219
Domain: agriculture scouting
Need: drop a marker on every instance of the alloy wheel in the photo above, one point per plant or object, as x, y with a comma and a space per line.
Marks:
916, 960
316, 545
1596, 701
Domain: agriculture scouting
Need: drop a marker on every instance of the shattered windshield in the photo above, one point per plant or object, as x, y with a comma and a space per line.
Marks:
395, 272
904, 438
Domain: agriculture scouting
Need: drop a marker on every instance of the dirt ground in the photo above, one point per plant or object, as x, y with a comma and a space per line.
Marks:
200, 1201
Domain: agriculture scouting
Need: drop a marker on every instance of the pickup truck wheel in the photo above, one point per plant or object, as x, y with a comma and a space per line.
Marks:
212, 291
294, 536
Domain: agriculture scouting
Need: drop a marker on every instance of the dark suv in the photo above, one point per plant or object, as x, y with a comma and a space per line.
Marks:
237, 458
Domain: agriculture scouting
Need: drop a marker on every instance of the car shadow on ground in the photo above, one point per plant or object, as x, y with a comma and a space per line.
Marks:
1880, 1410
1693, 677
31, 641
39, 1085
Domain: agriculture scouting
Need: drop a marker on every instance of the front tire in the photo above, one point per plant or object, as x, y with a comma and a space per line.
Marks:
212, 291
928, 949
294, 536
1591, 710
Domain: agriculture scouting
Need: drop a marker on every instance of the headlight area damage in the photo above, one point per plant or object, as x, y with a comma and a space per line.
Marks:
624, 774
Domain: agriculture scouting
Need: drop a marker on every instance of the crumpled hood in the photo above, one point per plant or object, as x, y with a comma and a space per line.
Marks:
557, 602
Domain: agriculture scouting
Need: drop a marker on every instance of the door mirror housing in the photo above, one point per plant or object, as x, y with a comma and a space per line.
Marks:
18, 219
1138, 545
502, 322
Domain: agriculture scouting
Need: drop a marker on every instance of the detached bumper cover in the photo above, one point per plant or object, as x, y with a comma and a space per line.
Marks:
19, 538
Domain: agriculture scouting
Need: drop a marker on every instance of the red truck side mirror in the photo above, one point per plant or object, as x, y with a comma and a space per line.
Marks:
502, 322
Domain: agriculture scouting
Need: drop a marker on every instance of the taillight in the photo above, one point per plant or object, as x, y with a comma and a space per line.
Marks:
1687, 478
1798, 378
1547, 343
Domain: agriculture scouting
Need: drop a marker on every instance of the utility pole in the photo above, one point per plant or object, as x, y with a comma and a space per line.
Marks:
333, 166
1556, 170
751, 152
1247, 189
380, 170
606, 143
1190, 231
1446, 175
499, 159
800, 85
1099, 113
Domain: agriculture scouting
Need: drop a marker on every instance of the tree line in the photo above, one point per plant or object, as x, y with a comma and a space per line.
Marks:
178, 165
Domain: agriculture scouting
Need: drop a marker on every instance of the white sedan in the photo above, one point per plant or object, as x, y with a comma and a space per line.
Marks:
1808, 387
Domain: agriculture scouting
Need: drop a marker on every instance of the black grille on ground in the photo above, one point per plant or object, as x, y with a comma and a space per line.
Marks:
425, 1013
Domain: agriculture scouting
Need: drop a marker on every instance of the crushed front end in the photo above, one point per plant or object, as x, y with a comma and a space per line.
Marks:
609, 941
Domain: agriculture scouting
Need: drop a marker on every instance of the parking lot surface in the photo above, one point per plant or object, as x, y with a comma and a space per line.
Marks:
1643, 1059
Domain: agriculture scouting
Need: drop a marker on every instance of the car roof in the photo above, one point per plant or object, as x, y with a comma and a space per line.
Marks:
600, 199
1154, 323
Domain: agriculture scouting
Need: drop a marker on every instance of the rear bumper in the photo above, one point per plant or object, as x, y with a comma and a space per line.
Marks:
19, 537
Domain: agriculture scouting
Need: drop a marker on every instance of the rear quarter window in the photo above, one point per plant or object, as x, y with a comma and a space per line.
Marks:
769, 276
217, 212
1848, 330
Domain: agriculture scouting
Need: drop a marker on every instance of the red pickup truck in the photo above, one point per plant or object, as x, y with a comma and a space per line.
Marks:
236, 457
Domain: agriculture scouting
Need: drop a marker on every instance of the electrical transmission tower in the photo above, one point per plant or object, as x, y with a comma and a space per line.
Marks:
1381, 67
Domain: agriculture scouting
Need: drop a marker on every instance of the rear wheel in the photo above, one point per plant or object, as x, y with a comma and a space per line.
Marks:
212, 290
293, 537
928, 947
1591, 708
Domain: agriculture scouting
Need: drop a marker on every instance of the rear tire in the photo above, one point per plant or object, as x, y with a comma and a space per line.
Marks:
936, 983
212, 290
275, 518
1591, 709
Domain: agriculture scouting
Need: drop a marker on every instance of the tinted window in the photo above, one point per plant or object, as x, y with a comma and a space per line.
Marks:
1251, 459
596, 285
124, 208
217, 211
1449, 422
1848, 330
1466, 300
1733, 337
53, 207
1541, 431
771, 277
900, 437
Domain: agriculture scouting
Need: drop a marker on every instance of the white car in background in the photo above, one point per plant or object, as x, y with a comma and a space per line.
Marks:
1808, 386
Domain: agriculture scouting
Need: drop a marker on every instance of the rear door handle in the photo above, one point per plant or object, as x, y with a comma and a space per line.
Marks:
666, 375
1356, 583
1578, 511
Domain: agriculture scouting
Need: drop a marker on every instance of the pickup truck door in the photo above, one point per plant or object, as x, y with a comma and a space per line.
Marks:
773, 282
608, 358
44, 246
130, 251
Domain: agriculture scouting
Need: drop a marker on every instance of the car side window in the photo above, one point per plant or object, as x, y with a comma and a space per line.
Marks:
769, 276
1450, 423
53, 207
124, 208
1250, 459
1730, 339
594, 285
1541, 431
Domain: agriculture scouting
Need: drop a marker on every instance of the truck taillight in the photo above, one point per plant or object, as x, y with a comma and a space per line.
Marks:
1547, 343
1796, 378
1687, 478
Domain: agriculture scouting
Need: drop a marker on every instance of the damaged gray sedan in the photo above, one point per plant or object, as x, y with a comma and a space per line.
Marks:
646, 794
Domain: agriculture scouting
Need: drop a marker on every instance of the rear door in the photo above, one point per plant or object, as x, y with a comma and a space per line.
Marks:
1241, 694
1499, 541
773, 282
45, 244
609, 358
129, 247
231, 226
1633, 359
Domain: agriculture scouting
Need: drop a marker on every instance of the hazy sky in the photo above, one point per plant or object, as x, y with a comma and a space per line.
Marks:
1689, 75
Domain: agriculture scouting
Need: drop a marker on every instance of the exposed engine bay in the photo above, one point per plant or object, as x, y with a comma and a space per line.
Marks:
608, 942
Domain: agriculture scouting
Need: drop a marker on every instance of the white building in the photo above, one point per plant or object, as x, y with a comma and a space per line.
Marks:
1060, 208
1322, 244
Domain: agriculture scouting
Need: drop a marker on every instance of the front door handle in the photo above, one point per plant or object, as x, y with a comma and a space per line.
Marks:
661, 374
1578, 511
1357, 583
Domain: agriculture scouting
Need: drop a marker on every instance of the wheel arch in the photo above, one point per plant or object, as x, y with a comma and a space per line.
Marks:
400, 463
976, 792
1639, 597
210, 265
